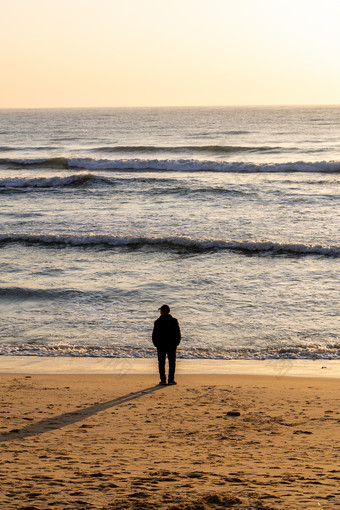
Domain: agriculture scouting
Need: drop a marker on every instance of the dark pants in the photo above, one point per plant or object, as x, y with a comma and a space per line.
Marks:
169, 351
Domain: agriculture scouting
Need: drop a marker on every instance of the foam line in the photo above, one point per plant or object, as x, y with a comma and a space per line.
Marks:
248, 247
180, 165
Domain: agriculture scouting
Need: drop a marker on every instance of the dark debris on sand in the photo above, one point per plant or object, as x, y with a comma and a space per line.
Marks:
211, 501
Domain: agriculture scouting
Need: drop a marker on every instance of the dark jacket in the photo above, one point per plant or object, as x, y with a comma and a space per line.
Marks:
166, 332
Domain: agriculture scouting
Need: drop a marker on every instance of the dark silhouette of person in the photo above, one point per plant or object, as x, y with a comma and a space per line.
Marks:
166, 336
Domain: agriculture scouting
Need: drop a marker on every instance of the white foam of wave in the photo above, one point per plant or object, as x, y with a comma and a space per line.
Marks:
182, 165
251, 247
95, 351
191, 165
46, 182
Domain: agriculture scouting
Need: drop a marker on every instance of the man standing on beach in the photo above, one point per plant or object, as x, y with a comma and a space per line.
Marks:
166, 336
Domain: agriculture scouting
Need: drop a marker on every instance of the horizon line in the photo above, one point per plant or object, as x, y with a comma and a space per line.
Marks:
288, 105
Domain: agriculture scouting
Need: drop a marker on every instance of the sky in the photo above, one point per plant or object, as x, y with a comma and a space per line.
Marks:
101, 53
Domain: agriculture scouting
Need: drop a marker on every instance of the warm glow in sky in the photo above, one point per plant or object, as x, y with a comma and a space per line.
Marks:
57, 53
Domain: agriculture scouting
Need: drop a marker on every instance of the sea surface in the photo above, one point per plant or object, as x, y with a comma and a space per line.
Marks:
229, 215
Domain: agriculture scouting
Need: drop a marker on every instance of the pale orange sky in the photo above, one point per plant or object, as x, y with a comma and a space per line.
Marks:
69, 53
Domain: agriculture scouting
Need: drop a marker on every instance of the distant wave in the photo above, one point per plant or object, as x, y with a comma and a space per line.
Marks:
176, 243
57, 163
46, 182
17, 294
195, 149
180, 165
233, 132
331, 351
8, 148
24, 184
213, 134
25, 293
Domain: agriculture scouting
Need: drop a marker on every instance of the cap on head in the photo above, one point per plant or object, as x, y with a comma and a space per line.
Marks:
164, 309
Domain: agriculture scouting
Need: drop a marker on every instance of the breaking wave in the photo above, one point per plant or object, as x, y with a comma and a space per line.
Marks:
175, 243
331, 351
180, 165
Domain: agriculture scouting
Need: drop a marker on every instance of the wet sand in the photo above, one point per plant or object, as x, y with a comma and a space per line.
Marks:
116, 441
97, 365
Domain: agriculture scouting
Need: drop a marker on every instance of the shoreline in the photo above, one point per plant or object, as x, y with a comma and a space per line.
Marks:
319, 368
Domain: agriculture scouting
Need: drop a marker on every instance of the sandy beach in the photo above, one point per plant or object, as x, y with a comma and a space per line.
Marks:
102, 441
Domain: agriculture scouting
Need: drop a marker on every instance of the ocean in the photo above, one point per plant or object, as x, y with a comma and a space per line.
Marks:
229, 215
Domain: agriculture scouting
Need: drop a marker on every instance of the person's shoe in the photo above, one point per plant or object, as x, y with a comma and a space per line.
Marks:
162, 383
171, 383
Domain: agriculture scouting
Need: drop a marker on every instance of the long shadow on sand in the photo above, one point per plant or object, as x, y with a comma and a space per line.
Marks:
57, 422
